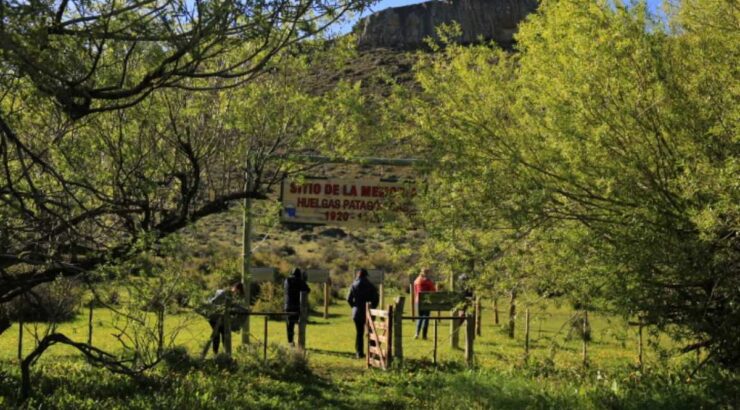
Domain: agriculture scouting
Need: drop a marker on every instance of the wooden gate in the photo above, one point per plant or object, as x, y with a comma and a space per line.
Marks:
379, 324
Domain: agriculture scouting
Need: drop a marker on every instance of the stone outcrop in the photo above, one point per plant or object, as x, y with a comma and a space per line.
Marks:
407, 27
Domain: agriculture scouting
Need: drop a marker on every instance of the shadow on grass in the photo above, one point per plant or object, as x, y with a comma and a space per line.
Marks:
335, 353
320, 315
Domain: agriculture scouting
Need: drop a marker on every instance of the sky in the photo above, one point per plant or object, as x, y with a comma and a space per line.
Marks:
384, 4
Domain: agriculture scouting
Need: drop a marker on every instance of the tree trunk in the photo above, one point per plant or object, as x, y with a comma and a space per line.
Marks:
26, 363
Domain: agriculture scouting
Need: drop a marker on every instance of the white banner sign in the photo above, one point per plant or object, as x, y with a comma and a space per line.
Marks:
342, 201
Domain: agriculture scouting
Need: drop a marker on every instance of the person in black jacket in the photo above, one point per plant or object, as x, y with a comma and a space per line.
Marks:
293, 286
360, 293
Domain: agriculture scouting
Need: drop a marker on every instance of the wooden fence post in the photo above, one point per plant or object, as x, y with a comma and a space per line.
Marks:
20, 338
470, 337
303, 321
390, 341
264, 347
454, 324
478, 316
398, 328
227, 326
526, 334
160, 329
326, 300
455, 330
90, 324
382, 293
585, 341
639, 345
495, 311
436, 325
412, 299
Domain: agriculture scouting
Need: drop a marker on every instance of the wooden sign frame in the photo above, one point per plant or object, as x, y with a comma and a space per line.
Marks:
376, 276
321, 276
263, 274
439, 300
317, 275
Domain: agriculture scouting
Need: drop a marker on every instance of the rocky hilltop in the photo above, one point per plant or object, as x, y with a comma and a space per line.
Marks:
406, 27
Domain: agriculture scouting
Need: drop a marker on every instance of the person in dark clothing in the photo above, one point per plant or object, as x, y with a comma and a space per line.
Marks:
360, 293
216, 319
293, 286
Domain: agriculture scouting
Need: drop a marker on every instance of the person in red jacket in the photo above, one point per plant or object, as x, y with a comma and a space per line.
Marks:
423, 283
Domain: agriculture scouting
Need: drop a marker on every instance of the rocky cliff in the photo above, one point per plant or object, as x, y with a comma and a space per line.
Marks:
406, 27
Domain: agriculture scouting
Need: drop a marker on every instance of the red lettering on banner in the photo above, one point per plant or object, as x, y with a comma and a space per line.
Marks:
330, 203
311, 189
331, 189
345, 200
374, 191
308, 203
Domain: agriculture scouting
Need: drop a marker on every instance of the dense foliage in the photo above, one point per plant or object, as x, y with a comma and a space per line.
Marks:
602, 160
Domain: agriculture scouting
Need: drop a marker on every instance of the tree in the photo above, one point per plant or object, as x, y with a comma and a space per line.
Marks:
111, 187
105, 54
107, 183
617, 133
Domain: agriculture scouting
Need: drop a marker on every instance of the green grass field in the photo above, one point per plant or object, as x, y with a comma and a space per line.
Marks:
333, 378
330, 341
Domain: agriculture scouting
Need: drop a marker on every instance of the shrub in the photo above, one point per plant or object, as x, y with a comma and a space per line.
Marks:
178, 359
576, 328
52, 302
316, 297
282, 361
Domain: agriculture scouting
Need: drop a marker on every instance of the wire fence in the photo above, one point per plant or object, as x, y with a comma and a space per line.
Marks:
551, 335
